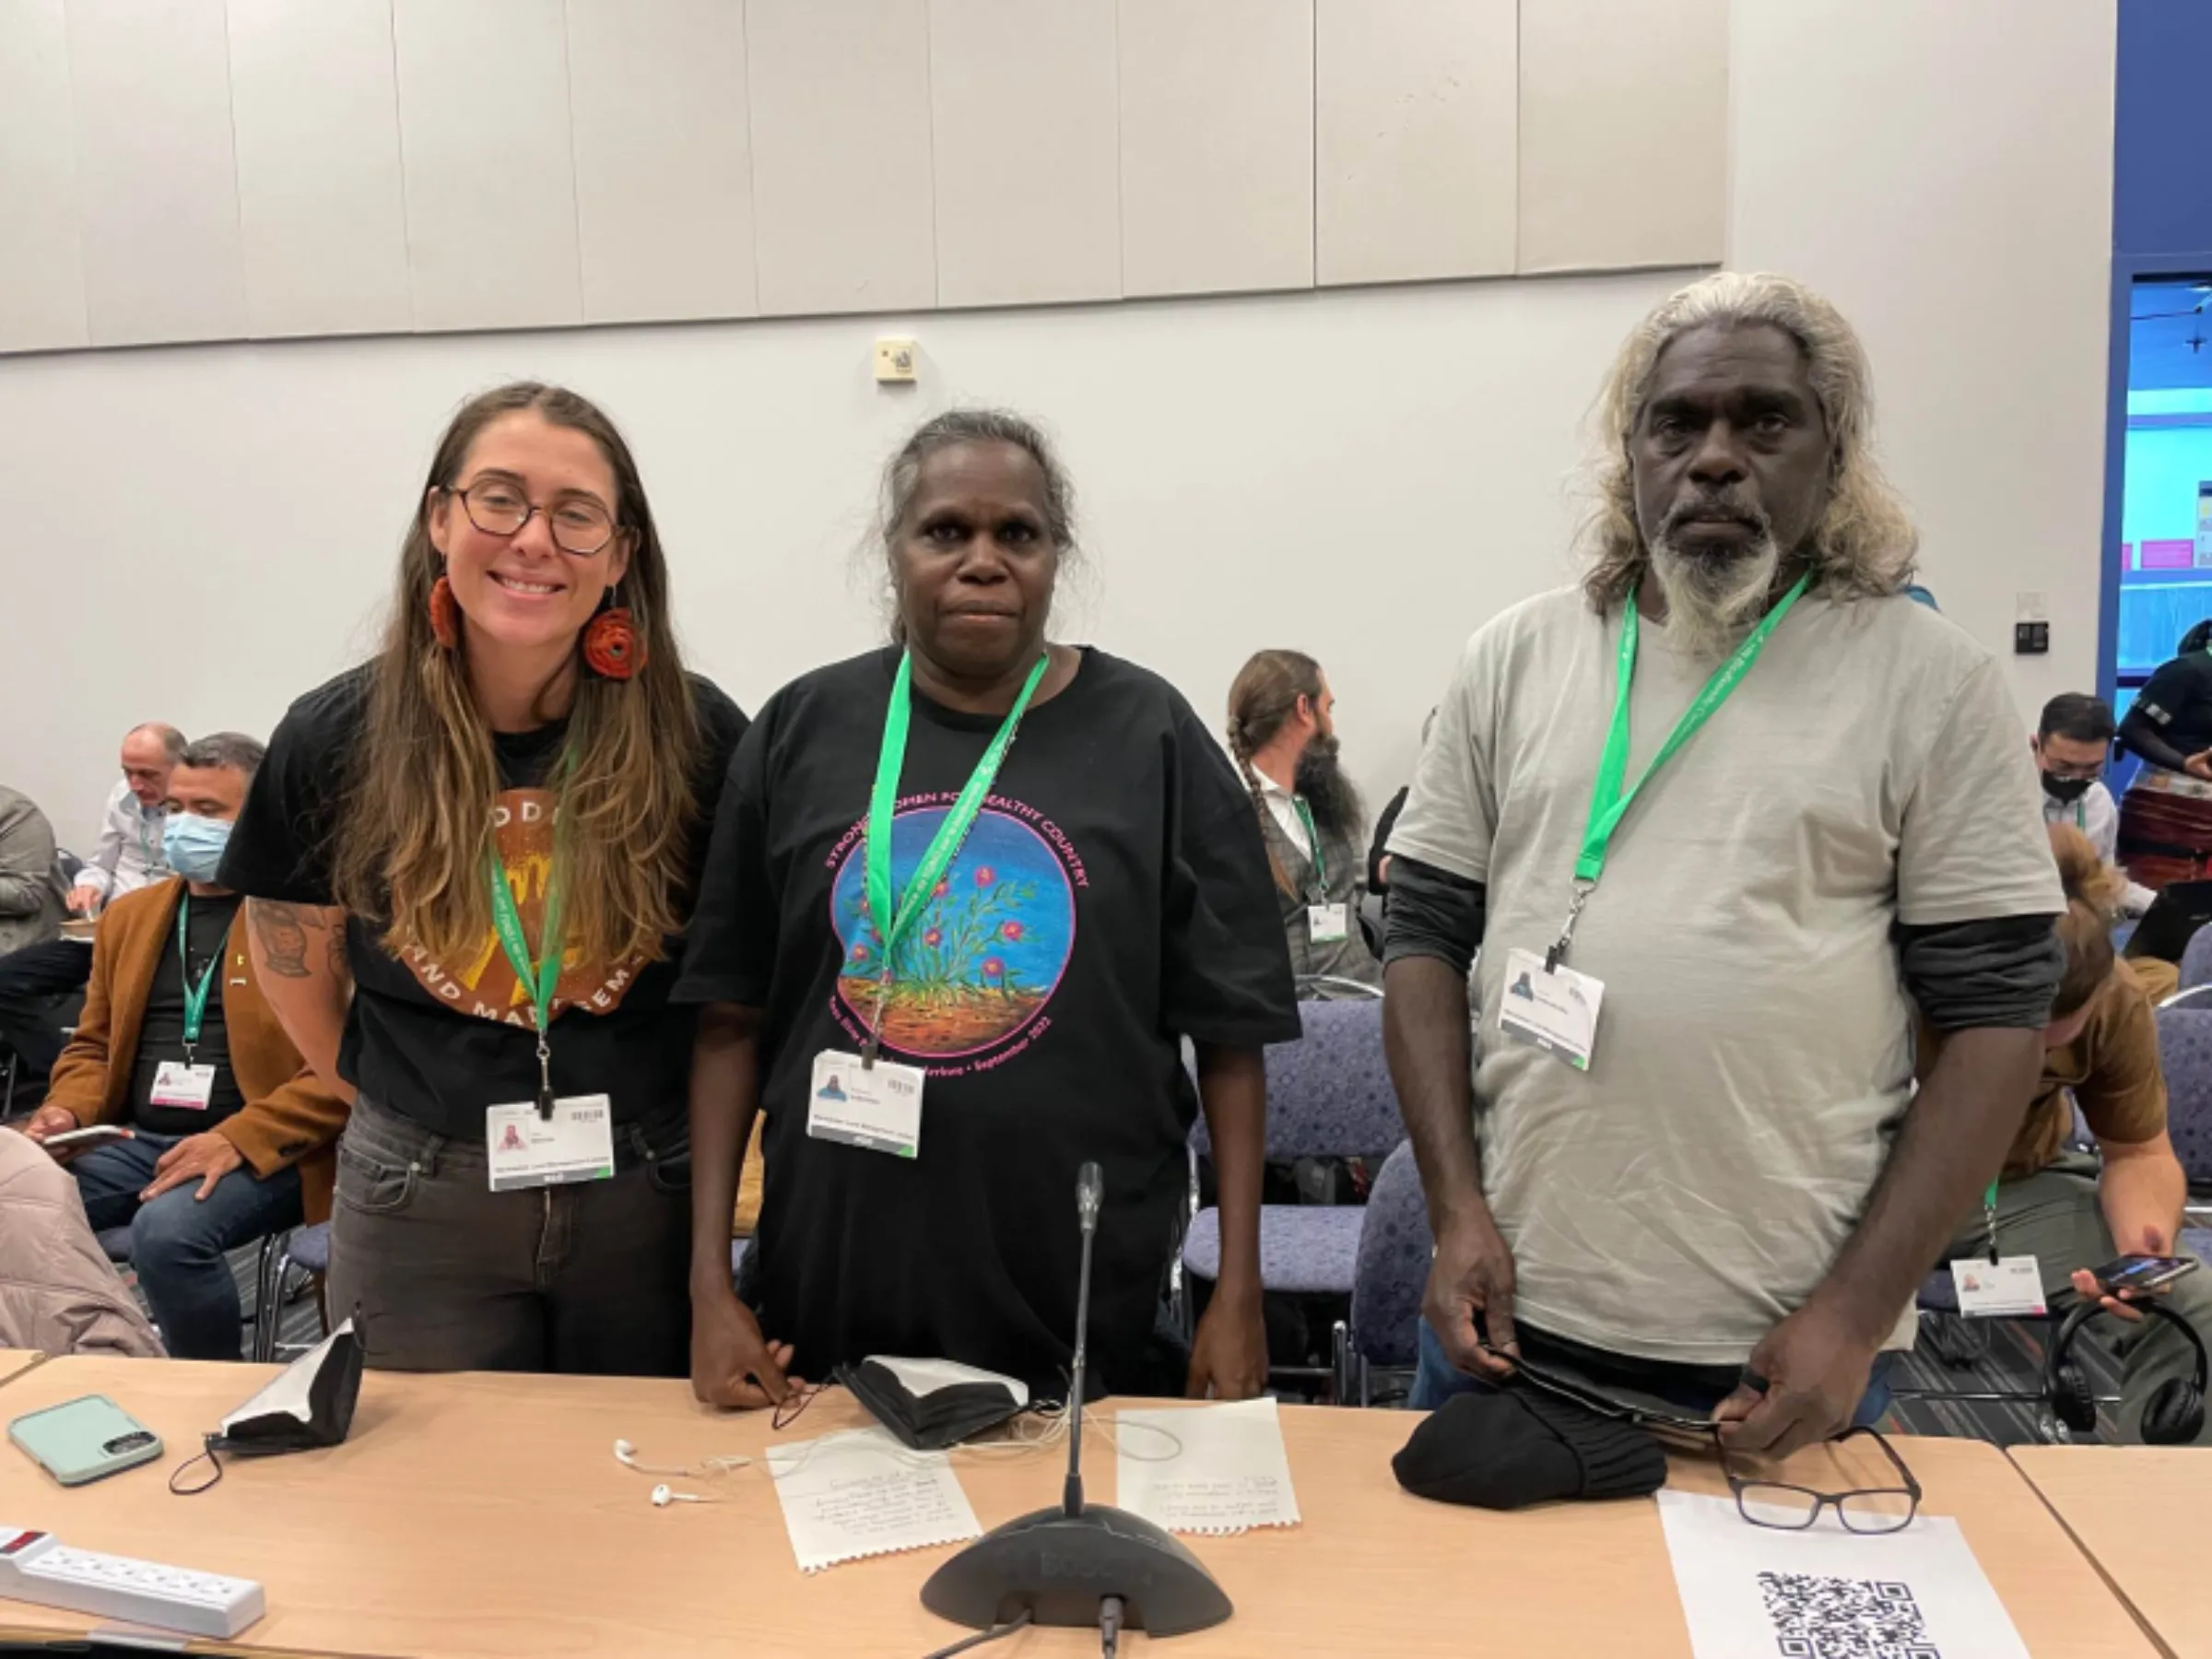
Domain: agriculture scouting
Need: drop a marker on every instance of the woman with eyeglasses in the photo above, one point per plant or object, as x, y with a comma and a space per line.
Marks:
471, 862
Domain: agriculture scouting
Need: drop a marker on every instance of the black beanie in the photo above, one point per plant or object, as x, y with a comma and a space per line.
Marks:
1506, 1449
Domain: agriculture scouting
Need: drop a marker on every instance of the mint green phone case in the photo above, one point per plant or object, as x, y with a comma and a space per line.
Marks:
83, 1439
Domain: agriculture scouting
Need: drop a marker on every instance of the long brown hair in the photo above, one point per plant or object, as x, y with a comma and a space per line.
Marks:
1263, 696
417, 820
2093, 893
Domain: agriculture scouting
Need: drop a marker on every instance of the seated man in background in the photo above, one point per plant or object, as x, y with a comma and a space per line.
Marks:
1709, 819
1282, 734
2072, 742
2069, 1210
232, 1136
40, 980
30, 880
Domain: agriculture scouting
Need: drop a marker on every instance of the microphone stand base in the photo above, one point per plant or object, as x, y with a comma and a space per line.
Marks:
1058, 1567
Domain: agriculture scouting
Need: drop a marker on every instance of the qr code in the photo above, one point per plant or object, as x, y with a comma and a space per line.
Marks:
1817, 1618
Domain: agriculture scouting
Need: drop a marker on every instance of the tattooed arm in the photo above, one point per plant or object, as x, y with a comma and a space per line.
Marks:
299, 960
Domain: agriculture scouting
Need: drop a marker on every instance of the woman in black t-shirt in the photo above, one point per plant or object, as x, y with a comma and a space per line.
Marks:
469, 861
2166, 815
1029, 946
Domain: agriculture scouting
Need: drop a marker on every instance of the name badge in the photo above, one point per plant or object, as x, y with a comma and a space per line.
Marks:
1328, 923
1551, 1009
523, 1149
189, 1088
2011, 1289
877, 1107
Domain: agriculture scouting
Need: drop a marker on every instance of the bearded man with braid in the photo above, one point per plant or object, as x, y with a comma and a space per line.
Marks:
1282, 734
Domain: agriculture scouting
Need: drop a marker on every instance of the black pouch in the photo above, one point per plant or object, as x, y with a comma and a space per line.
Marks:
931, 1403
307, 1404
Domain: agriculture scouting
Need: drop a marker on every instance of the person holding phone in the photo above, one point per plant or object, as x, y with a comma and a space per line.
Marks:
470, 865
968, 892
2071, 1210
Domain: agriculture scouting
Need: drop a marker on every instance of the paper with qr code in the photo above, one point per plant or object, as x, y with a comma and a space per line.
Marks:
1224, 1469
1756, 1593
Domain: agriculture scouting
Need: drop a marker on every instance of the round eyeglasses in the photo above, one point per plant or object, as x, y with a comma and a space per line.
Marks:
579, 527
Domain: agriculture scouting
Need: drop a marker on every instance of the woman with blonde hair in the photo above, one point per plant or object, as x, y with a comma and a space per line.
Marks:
471, 862
2073, 1210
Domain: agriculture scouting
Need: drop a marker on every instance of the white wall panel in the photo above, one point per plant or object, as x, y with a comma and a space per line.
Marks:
151, 80
664, 158
1216, 144
1026, 149
324, 221
42, 254
491, 179
841, 197
1624, 133
1415, 116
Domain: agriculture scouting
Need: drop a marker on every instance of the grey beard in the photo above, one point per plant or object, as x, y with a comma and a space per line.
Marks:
1711, 602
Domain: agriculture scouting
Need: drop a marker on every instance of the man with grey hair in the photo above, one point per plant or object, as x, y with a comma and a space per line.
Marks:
128, 854
1714, 818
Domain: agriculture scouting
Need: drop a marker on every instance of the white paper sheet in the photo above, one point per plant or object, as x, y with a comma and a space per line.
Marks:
1231, 1475
1751, 1591
861, 1493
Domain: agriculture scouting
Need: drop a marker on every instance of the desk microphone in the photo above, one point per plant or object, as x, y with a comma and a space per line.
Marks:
1077, 1563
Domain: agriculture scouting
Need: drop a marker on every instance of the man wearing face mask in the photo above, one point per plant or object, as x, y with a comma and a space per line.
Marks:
2071, 744
227, 1136
1282, 734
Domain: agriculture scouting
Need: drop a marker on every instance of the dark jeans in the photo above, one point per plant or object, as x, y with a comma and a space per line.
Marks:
1437, 1379
444, 1274
35, 983
178, 1241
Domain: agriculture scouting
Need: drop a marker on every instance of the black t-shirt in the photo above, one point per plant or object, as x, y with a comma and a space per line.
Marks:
1111, 898
161, 1031
440, 1041
2177, 700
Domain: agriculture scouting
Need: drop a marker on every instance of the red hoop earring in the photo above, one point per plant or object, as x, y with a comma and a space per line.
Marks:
445, 613
611, 647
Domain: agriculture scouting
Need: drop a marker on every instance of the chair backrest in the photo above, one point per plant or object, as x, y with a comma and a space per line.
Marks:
2197, 958
1329, 1093
2185, 1056
1393, 1267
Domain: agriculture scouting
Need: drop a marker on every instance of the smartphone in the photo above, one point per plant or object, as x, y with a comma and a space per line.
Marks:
83, 1439
96, 1134
2141, 1273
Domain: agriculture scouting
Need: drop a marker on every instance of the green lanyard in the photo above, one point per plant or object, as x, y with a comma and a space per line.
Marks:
2081, 818
1989, 1217
1321, 865
897, 918
537, 978
196, 998
1609, 802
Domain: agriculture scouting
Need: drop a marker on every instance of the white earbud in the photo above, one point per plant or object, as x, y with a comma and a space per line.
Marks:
662, 1497
626, 1455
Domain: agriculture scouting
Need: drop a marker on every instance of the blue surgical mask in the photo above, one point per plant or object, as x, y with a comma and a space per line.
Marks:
193, 846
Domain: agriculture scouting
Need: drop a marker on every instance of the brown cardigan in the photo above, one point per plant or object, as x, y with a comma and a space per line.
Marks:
290, 1115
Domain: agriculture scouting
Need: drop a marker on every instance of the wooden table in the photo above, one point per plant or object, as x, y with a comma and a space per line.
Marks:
2134, 1509
13, 1362
476, 1514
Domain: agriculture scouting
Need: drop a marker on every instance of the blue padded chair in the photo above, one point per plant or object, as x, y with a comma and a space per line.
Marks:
2196, 960
306, 1248
1328, 1096
1391, 1268
2185, 1056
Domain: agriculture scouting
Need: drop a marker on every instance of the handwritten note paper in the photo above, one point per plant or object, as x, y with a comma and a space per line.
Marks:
1752, 1591
1230, 1473
862, 1493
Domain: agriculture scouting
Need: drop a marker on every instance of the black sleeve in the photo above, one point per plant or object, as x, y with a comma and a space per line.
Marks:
1433, 913
1225, 965
1381, 844
2003, 971
730, 954
282, 845
2139, 733
2168, 693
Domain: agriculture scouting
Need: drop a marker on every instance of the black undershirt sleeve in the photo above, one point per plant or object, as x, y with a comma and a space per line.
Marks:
2001, 971
2139, 733
1431, 913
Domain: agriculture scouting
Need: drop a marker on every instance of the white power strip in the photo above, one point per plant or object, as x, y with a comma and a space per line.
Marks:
36, 1567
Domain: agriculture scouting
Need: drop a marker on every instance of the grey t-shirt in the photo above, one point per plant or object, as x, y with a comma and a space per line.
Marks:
1754, 1050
